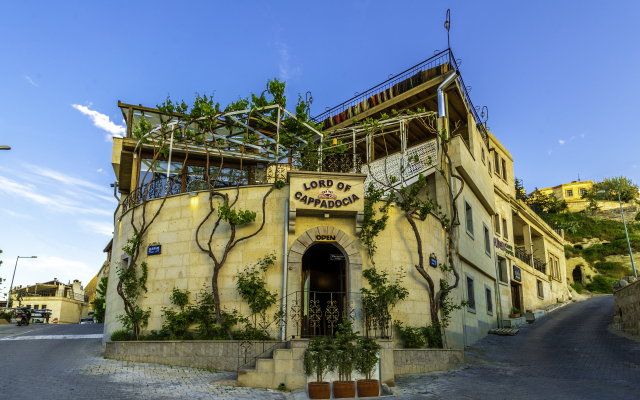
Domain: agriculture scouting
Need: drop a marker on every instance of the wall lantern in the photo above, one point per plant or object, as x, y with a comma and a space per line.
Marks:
433, 261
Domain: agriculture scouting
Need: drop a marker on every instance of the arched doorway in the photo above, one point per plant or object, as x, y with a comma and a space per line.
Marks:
323, 288
577, 274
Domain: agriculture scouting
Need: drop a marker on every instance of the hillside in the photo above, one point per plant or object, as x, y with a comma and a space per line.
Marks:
596, 249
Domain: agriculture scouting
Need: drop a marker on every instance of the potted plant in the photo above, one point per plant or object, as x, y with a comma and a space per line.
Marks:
515, 313
345, 355
366, 360
319, 359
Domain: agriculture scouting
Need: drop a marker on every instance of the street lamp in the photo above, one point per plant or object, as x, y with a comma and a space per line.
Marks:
625, 231
5, 148
14, 275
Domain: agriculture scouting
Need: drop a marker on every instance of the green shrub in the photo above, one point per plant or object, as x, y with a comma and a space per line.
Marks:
414, 338
577, 286
601, 284
319, 358
156, 336
637, 218
6, 316
515, 310
613, 269
121, 336
367, 352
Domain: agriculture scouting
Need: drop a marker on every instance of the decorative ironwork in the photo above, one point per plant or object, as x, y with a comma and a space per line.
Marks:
540, 265
315, 313
332, 314
380, 171
522, 255
348, 310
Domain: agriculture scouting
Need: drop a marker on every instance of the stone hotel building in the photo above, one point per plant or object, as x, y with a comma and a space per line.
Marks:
504, 254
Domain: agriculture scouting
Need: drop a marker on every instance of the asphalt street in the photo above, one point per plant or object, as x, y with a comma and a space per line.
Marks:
569, 354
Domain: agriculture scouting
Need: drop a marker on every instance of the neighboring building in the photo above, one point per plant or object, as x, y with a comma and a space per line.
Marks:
320, 256
530, 251
68, 303
90, 289
570, 192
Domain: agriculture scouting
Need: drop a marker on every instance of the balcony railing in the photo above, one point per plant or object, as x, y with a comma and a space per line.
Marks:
523, 255
545, 217
380, 171
540, 265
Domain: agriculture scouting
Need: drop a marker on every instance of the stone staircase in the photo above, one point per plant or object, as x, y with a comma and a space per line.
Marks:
276, 367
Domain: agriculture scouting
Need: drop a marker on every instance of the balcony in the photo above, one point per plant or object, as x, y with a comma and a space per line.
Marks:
402, 166
531, 260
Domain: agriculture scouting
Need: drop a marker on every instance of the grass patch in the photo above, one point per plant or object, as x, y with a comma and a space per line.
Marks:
577, 286
578, 225
613, 269
601, 284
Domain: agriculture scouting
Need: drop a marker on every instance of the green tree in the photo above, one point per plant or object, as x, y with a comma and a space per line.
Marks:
99, 303
618, 184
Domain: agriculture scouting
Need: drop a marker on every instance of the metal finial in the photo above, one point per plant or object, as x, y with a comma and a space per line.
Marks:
484, 115
447, 25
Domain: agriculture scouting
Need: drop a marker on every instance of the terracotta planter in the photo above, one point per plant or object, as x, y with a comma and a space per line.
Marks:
514, 315
344, 389
319, 390
368, 388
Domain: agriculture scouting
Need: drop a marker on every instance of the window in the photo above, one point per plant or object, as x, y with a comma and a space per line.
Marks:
505, 232
496, 161
35, 307
502, 270
496, 223
487, 240
44, 307
489, 167
540, 289
470, 295
582, 191
569, 193
504, 169
558, 271
487, 292
482, 155
468, 212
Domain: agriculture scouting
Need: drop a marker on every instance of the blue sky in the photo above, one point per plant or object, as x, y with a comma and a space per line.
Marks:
559, 78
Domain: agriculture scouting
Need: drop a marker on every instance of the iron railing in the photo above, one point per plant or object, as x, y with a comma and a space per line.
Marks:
540, 265
545, 217
439, 64
523, 255
313, 313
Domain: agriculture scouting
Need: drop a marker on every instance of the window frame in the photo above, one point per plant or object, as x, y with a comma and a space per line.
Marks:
44, 307
504, 169
467, 208
505, 229
471, 295
482, 156
539, 289
496, 161
503, 273
496, 224
489, 298
487, 240
569, 192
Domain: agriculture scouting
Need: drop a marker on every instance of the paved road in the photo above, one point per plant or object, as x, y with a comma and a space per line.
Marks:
569, 354
54, 368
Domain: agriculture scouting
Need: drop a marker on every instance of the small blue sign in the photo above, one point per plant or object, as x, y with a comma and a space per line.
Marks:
433, 262
517, 274
151, 250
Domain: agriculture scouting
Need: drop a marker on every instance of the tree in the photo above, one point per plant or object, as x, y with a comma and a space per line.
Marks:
99, 303
414, 201
614, 185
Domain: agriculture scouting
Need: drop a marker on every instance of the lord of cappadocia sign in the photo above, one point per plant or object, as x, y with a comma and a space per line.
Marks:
324, 192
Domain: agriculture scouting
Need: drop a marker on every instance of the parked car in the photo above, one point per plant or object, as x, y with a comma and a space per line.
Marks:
86, 321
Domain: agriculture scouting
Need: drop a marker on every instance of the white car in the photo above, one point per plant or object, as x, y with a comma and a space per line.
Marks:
86, 321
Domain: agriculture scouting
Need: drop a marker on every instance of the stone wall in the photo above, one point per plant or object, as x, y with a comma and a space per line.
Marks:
220, 355
418, 361
627, 303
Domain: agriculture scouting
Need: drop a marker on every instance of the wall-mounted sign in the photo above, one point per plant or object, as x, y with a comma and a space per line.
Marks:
325, 238
517, 275
318, 194
433, 261
322, 192
151, 250
336, 257
507, 248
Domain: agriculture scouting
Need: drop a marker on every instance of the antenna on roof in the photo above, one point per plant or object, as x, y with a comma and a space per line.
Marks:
447, 25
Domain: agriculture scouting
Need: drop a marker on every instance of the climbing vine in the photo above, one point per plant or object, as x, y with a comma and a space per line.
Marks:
99, 302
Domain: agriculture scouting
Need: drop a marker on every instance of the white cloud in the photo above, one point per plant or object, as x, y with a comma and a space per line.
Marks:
17, 215
30, 81
286, 72
63, 178
582, 135
51, 201
65, 269
102, 121
561, 141
102, 228
572, 137
100, 170
549, 152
